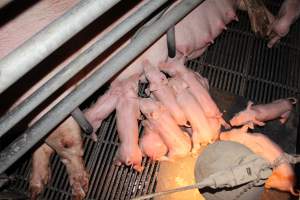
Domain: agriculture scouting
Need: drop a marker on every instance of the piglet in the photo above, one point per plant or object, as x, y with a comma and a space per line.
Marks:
289, 12
128, 113
198, 90
258, 114
162, 92
202, 133
152, 144
177, 141
283, 177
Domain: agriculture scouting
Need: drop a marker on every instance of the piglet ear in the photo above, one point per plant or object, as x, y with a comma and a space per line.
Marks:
165, 81
249, 105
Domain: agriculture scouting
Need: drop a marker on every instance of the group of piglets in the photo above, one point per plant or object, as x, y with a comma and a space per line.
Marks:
283, 177
180, 116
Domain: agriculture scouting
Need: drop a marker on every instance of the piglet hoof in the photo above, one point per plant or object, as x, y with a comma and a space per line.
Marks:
283, 120
117, 162
163, 158
94, 137
138, 168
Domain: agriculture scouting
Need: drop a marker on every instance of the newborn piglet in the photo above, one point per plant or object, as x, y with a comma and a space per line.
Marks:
162, 92
198, 89
128, 113
202, 133
177, 141
152, 144
258, 114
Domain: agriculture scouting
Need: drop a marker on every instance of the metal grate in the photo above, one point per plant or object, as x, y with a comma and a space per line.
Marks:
238, 62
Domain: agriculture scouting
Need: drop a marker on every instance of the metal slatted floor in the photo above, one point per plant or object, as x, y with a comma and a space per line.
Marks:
238, 63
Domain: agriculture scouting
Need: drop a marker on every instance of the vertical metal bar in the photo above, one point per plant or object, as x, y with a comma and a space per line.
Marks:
171, 42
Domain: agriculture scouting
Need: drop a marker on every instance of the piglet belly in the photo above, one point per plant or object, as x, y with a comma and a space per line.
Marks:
167, 97
152, 144
129, 152
272, 110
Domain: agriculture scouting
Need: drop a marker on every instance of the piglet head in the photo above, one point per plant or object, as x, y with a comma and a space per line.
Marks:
244, 117
234, 134
154, 76
174, 66
149, 107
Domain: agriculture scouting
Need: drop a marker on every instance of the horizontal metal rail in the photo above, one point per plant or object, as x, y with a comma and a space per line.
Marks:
29, 54
3, 3
40, 129
11, 118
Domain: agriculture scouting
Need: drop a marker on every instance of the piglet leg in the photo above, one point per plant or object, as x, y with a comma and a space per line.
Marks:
102, 108
66, 141
41, 172
284, 117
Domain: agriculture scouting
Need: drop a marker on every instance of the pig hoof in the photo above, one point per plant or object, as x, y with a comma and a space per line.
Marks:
35, 190
138, 168
79, 186
94, 137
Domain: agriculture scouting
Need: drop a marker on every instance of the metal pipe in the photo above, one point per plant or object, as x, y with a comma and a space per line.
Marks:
84, 124
39, 130
4, 3
171, 42
38, 47
11, 118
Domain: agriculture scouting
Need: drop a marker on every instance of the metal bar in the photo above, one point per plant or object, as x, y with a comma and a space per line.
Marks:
79, 117
171, 42
3, 3
11, 118
59, 112
34, 50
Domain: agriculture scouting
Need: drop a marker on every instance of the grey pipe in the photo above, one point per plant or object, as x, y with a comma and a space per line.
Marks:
171, 42
4, 3
34, 50
12, 117
39, 130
